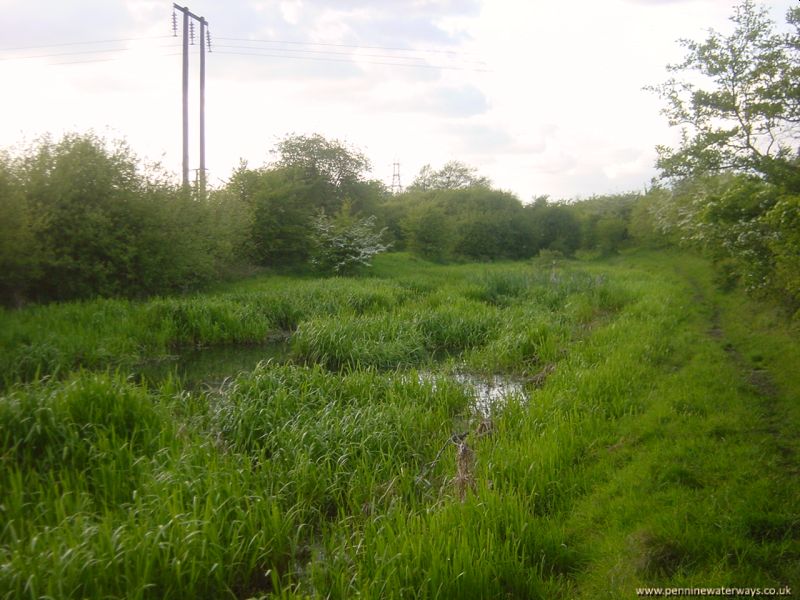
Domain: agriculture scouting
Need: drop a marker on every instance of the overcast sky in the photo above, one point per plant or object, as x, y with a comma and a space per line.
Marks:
542, 96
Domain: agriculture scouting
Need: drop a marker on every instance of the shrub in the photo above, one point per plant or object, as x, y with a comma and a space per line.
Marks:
343, 243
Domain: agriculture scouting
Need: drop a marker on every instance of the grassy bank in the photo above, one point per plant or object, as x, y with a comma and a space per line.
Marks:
654, 444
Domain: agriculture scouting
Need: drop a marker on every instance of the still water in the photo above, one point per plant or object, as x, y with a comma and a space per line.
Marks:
209, 367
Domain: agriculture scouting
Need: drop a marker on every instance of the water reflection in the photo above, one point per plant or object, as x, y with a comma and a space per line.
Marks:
490, 392
211, 366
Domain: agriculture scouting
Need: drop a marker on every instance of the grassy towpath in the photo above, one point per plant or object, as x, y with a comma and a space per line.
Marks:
701, 488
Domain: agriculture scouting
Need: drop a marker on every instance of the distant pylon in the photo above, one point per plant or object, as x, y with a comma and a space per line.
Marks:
397, 187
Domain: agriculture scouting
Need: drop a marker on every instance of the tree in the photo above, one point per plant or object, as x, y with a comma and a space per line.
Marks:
784, 221
745, 114
454, 175
311, 174
555, 226
428, 231
19, 251
282, 205
605, 221
333, 170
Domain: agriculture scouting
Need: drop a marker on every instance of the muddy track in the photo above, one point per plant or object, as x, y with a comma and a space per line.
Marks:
762, 383
758, 379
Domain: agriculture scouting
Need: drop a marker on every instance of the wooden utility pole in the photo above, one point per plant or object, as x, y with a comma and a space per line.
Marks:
185, 83
202, 107
187, 14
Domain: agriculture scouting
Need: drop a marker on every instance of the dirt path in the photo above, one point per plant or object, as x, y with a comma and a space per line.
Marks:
762, 384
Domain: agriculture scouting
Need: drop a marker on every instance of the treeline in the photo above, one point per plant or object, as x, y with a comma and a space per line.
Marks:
82, 217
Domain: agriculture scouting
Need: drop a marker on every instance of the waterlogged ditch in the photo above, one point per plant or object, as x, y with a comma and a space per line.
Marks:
209, 368
489, 392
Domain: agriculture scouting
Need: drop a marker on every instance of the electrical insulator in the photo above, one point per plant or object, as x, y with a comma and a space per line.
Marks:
174, 24
191, 32
208, 39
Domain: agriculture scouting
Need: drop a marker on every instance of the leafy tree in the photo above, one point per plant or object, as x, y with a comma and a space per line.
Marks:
454, 175
428, 231
736, 175
231, 224
555, 226
743, 110
476, 223
19, 251
81, 189
642, 224
282, 204
311, 174
488, 223
605, 221
343, 243
331, 170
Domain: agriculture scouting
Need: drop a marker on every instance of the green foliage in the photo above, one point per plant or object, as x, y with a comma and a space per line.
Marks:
743, 115
736, 173
474, 223
55, 427
427, 231
451, 327
281, 204
555, 227
283, 200
783, 220
605, 221
333, 170
19, 251
87, 221
745, 224
454, 175
363, 341
643, 226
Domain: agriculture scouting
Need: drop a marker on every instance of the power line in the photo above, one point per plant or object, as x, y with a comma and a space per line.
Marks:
131, 39
97, 60
396, 60
354, 62
396, 49
326, 52
80, 52
289, 42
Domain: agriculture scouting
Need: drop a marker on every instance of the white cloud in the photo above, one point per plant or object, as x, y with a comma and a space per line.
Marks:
539, 98
291, 11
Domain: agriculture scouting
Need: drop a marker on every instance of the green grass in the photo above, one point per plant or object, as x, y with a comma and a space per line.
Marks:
658, 445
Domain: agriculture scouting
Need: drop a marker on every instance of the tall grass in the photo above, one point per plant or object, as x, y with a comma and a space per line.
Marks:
643, 455
56, 339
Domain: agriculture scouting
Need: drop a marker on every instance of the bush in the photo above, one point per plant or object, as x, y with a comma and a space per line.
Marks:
82, 218
784, 243
343, 243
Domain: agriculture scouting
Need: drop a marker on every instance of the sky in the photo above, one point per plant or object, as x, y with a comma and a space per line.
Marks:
541, 96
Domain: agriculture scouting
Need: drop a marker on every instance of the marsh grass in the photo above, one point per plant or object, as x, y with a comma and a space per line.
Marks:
642, 453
